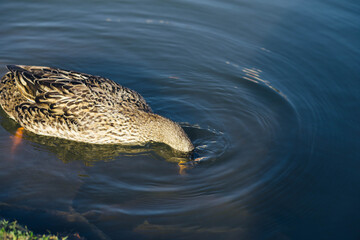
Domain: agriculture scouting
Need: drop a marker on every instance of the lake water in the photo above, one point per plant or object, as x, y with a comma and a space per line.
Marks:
268, 92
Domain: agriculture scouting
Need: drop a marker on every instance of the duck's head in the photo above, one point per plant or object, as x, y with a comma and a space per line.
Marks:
161, 129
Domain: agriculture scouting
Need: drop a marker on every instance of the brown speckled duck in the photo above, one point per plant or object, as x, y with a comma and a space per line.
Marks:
85, 108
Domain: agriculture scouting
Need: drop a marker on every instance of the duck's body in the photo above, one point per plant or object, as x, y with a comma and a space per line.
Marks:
84, 108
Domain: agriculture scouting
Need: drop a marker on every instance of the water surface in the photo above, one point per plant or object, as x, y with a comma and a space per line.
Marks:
268, 92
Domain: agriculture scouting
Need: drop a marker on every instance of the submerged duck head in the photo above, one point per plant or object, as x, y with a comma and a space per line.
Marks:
161, 129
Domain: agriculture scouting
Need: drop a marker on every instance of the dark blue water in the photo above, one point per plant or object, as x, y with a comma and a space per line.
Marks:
268, 91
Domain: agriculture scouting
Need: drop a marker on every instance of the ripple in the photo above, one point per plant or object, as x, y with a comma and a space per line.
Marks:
253, 109
239, 124
242, 145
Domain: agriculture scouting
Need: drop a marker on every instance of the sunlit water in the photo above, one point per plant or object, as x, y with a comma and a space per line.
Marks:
268, 92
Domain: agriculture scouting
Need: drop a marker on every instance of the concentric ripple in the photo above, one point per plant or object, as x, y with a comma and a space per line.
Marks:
192, 66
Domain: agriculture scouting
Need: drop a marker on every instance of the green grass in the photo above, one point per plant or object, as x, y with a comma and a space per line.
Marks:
14, 231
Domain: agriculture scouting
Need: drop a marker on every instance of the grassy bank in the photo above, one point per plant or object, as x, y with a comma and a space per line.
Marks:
14, 231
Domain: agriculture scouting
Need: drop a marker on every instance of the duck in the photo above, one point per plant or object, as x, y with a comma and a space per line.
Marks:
84, 108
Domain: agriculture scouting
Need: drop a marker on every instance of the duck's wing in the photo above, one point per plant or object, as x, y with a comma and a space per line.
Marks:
62, 90
53, 92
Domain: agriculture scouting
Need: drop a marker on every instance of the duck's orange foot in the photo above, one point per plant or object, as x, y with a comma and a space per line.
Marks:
17, 138
186, 165
182, 167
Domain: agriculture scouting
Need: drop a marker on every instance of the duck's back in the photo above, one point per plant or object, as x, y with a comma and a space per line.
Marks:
56, 102
49, 85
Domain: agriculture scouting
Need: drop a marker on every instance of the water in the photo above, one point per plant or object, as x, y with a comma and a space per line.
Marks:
268, 91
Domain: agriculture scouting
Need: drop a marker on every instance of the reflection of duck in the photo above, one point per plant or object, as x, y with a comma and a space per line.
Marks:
84, 108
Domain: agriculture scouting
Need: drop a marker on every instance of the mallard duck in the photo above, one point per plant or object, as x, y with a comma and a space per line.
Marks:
84, 108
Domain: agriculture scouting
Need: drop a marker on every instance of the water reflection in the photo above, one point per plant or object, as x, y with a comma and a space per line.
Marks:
156, 230
270, 108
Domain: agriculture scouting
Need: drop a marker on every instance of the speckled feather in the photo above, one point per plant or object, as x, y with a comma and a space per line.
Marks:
82, 107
